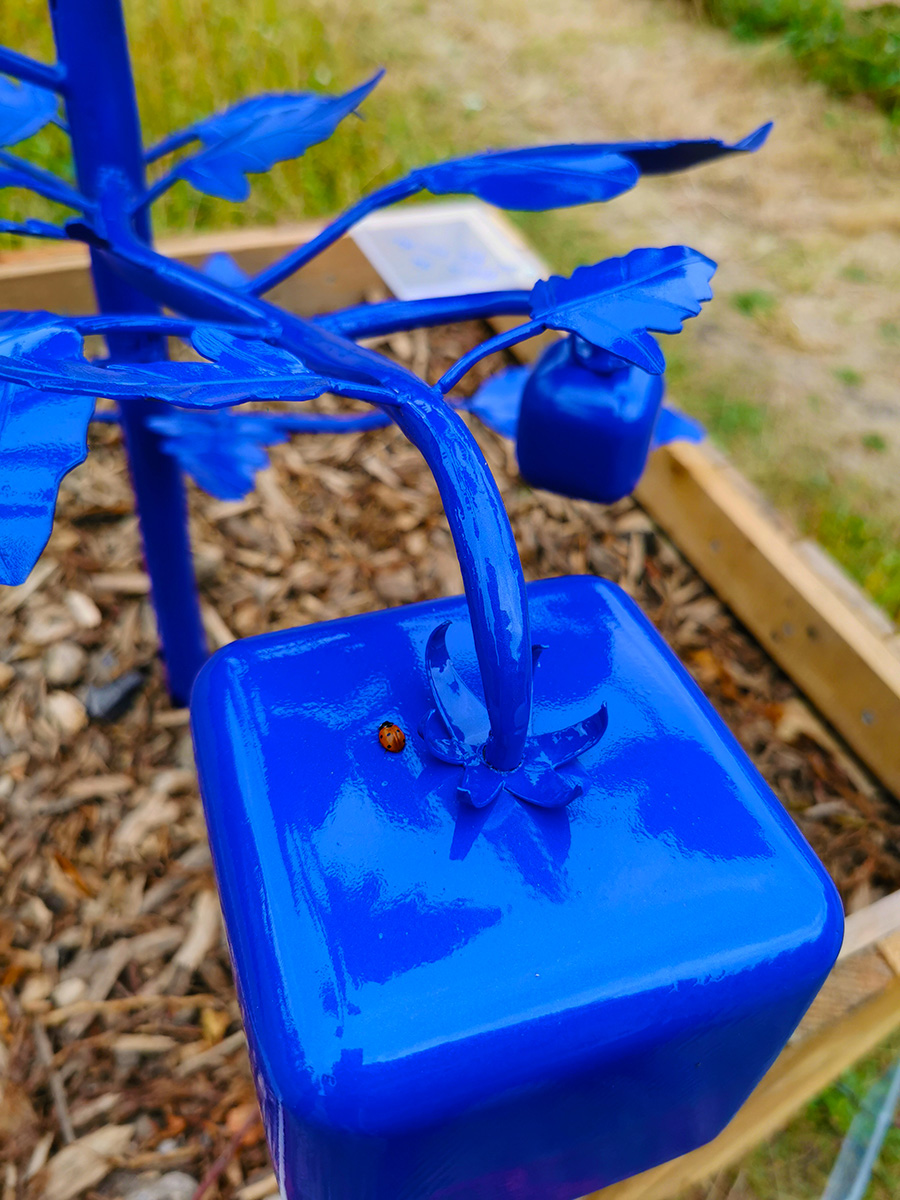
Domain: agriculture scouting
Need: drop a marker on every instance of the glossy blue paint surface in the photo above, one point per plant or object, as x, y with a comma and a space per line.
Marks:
586, 423
444, 1002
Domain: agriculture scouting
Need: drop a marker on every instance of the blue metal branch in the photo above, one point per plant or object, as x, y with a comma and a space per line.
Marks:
175, 141
104, 323
155, 190
391, 316
511, 337
29, 70
400, 189
46, 184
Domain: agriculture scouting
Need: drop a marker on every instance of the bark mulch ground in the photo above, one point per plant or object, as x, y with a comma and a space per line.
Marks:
123, 1070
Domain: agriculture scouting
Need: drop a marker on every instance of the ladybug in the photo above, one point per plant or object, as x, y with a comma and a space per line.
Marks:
391, 736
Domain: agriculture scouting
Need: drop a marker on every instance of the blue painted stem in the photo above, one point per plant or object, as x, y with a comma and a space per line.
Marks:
45, 183
391, 316
29, 70
400, 189
489, 561
106, 140
175, 141
511, 337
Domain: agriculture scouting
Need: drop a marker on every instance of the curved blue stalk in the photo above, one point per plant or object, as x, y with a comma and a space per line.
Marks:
46, 184
511, 337
400, 189
489, 561
46, 75
391, 316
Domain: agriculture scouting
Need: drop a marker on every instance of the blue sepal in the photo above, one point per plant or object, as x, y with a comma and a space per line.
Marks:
675, 426
456, 729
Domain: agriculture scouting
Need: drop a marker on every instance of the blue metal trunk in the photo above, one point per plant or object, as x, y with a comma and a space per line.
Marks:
106, 142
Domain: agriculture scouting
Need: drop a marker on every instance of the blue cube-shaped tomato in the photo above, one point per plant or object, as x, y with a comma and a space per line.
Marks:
449, 1002
586, 423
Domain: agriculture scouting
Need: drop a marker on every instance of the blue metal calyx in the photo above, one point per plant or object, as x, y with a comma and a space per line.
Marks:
456, 730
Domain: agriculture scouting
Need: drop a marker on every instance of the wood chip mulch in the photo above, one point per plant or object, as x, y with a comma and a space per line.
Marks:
123, 1070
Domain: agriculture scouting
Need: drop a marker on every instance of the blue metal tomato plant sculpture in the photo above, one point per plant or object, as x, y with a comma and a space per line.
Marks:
561, 931
254, 351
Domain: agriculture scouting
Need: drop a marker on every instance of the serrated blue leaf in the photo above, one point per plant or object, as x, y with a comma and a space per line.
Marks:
661, 158
253, 136
24, 109
221, 451
615, 303
40, 350
43, 435
533, 180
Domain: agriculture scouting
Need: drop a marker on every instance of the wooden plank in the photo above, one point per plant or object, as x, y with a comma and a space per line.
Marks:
871, 924
834, 656
799, 1074
59, 279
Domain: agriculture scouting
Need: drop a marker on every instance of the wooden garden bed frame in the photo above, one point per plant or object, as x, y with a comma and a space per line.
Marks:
839, 649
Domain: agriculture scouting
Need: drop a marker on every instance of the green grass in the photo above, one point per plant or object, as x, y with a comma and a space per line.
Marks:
874, 441
754, 303
854, 53
849, 376
795, 1164
196, 57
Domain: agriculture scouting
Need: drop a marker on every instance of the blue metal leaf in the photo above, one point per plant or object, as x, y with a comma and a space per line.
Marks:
497, 402
614, 304
24, 109
42, 436
254, 135
221, 451
42, 351
534, 179
541, 177
660, 158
